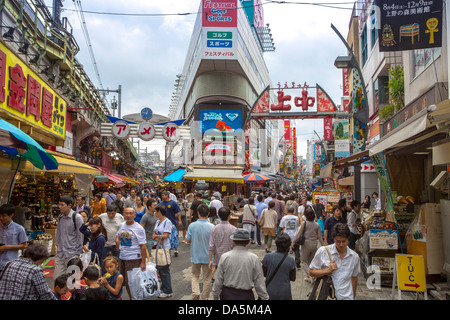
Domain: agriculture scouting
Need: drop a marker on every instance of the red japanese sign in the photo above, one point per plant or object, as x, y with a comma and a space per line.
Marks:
345, 85
304, 101
328, 129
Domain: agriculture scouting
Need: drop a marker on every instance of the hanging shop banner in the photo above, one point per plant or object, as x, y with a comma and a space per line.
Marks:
409, 25
341, 138
328, 129
379, 162
27, 98
219, 13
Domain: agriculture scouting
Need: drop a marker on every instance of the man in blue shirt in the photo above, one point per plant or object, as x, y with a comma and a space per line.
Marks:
330, 223
260, 206
12, 236
173, 213
198, 236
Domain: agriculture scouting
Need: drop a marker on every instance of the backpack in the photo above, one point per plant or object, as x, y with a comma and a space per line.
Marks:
174, 240
74, 216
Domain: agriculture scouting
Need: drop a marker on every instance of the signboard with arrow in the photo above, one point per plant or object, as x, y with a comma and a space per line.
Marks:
410, 274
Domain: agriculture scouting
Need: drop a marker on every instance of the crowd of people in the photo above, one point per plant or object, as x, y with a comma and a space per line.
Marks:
118, 231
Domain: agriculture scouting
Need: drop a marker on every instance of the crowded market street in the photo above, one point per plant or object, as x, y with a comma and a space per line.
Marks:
249, 150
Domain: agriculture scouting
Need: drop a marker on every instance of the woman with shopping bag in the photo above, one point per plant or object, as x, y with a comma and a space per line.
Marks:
161, 234
96, 233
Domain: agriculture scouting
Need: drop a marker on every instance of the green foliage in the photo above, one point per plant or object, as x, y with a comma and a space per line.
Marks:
396, 90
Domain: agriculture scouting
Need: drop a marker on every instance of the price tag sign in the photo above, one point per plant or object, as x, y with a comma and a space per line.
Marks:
146, 131
121, 130
170, 132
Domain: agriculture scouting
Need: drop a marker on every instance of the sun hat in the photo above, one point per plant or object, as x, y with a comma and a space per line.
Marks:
240, 234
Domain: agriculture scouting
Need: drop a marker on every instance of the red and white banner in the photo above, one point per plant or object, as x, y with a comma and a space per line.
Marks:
328, 129
345, 85
219, 13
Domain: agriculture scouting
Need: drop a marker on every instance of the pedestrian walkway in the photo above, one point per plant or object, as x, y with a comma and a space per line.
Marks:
301, 288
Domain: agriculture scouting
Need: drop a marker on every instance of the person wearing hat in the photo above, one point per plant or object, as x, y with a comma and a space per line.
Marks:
239, 271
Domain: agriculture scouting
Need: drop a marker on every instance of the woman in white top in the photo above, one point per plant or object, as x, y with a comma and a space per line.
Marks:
249, 218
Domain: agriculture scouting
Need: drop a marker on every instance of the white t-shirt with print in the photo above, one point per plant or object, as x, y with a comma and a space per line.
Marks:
131, 238
290, 224
161, 228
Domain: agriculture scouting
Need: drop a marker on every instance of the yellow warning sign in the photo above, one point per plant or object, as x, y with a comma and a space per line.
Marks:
410, 272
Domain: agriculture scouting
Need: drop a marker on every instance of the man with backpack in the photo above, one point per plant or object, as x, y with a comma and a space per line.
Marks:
68, 239
173, 213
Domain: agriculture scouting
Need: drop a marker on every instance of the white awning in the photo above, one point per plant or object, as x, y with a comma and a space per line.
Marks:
407, 130
215, 175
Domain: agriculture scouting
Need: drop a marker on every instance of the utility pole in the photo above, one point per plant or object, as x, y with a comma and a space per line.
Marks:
119, 92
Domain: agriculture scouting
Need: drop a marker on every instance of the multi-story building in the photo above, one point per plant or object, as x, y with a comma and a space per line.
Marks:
54, 100
223, 75
409, 137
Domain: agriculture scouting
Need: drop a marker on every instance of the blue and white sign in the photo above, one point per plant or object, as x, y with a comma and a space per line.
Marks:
146, 113
219, 44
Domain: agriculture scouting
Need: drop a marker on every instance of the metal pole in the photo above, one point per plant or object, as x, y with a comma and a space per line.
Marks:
364, 119
119, 108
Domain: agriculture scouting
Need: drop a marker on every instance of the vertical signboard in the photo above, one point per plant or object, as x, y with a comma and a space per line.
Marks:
381, 170
327, 129
219, 22
341, 138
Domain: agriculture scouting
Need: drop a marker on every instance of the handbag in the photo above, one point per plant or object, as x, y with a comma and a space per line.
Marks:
323, 288
96, 263
301, 239
261, 219
161, 256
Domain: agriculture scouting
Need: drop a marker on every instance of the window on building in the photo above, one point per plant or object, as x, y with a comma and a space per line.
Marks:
374, 30
364, 53
380, 92
423, 58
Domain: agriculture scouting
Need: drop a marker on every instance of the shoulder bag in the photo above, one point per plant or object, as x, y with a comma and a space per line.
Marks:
161, 256
261, 219
268, 280
323, 288
301, 238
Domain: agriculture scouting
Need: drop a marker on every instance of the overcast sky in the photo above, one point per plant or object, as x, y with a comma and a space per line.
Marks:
144, 53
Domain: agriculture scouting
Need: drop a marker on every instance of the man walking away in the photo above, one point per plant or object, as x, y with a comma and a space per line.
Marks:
198, 235
239, 271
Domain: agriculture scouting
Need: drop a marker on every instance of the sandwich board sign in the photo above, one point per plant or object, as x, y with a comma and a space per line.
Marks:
409, 274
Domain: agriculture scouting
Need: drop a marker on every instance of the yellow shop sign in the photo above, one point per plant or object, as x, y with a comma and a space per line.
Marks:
27, 98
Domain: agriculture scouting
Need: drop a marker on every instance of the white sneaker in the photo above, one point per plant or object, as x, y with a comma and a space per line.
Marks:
163, 295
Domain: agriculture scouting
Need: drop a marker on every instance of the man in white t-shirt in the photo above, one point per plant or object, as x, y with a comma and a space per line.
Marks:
112, 222
216, 204
131, 242
289, 224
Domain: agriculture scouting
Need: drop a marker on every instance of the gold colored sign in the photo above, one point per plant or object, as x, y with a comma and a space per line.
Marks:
26, 97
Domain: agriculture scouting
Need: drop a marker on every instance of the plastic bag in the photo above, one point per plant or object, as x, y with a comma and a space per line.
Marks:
143, 284
86, 259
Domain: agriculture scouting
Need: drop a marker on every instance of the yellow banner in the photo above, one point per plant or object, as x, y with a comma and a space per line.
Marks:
28, 98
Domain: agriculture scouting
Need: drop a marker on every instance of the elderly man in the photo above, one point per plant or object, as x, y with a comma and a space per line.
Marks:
131, 242
239, 271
